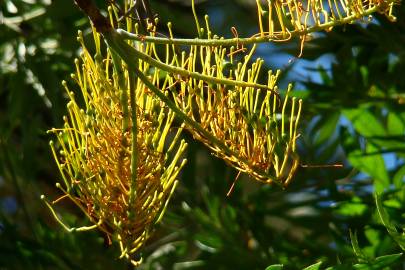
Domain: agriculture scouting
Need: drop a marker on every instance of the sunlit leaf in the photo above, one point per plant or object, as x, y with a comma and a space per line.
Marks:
379, 262
364, 122
385, 220
361, 256
396, 123
355, 207
274, 267
399, 177
371, 163
315, 266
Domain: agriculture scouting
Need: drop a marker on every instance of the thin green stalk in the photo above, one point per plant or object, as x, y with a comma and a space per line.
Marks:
125, 124
134, 148
122, 88
245, 41
184, 72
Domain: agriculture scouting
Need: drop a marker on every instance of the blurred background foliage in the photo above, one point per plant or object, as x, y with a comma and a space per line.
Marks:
353, 85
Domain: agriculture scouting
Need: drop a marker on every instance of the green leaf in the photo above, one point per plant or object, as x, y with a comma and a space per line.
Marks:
379, 262
315, 266
383, 214
374, 237
371, 163
328, 126
385, 220
395, 124
212, 241
364, 122
340, 267
364, 74
361, 257
274, 267
386, 260
352, 208
370, 127
399, 177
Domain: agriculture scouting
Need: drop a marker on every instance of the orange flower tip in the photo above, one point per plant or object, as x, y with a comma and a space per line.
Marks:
42, 197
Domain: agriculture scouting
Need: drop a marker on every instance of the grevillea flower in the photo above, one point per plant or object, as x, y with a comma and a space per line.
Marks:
97, 154
257, 127
118, 152
222, 104
280, 19
242, 121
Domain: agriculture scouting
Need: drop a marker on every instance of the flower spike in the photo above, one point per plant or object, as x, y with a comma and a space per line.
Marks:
116, 159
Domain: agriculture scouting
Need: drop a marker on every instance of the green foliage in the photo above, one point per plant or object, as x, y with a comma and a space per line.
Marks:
275, 267
315, 266
328, 218
389, 225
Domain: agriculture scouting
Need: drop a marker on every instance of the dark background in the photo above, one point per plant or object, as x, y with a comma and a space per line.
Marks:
353, 85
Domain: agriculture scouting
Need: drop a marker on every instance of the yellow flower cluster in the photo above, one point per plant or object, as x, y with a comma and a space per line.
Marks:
279, 19
95, 155
257, 127
119, 151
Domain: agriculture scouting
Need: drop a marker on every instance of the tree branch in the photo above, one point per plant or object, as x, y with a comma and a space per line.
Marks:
100, 22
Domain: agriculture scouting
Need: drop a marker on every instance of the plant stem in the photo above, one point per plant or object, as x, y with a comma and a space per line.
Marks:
134, 141
187, 73
125, 124
246, 41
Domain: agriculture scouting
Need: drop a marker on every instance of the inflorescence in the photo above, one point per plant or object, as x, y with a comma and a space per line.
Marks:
119, 152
